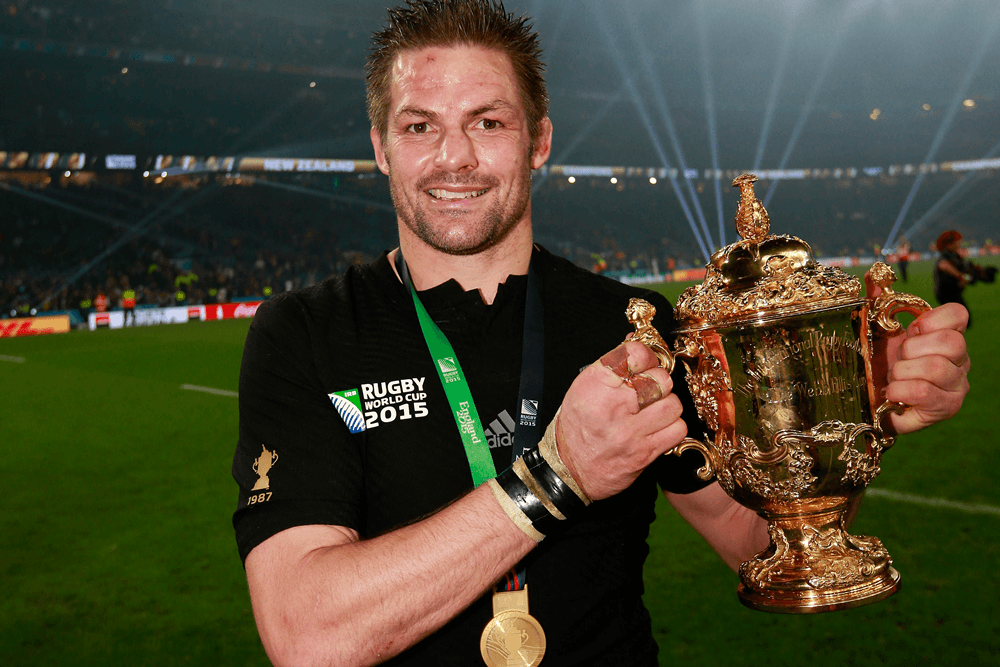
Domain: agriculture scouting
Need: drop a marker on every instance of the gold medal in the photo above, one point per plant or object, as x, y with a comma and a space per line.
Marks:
513, 638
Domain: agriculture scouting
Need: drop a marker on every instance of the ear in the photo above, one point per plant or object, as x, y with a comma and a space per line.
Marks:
380, 159
543, 144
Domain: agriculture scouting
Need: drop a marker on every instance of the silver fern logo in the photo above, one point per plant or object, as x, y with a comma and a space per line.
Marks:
348, 405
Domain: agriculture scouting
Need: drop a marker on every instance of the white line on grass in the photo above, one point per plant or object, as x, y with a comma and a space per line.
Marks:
16, 360
209, 390
935, 502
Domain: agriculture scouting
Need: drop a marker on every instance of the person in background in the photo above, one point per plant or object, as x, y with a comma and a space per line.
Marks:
953, 273
903, 250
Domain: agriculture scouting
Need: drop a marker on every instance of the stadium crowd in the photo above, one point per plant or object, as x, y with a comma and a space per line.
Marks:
62, 245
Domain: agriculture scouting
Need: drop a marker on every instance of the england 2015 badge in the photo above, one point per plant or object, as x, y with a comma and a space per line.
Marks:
348, 404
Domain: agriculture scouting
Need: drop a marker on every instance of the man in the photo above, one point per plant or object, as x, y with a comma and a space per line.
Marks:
367, 542
953, 273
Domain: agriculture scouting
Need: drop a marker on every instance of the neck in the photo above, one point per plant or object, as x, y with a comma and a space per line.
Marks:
483, 271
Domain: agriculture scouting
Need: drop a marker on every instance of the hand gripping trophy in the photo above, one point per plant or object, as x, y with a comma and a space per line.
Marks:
781, 361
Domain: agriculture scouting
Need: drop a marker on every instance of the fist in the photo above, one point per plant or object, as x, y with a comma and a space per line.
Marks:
618, 416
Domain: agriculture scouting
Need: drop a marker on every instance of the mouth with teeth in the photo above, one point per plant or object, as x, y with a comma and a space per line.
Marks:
448, 195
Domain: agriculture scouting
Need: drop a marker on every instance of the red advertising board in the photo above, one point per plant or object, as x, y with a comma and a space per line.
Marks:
684, 275
230, 311
34, 326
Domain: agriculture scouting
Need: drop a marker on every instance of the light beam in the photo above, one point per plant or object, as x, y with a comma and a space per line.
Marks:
644, 115
946, 123
660, 100
851, 13
706, 80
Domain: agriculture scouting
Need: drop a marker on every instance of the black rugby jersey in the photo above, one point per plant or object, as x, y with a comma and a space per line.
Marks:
342, 408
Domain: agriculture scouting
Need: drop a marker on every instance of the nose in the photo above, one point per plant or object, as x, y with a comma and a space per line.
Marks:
456, 151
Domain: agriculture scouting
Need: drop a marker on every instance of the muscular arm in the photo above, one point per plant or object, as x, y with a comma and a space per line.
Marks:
322, 597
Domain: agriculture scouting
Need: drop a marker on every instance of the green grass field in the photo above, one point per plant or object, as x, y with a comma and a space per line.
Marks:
116, 545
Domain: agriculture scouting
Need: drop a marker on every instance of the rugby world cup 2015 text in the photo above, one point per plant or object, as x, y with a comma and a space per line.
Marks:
385, 402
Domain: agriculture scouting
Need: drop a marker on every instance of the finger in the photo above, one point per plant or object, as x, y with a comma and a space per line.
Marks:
947, 343
927, 403
952, 316
656, 417
915, 419
640, 357
935, 369
666, 439
617, 362
628, 359
647, 389
650, 387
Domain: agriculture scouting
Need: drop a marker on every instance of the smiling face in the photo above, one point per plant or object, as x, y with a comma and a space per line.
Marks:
458, 151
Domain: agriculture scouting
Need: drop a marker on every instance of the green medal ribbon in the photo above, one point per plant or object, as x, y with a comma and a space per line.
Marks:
456, 388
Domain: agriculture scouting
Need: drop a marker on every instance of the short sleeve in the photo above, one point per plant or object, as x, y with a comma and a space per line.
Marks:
295, 463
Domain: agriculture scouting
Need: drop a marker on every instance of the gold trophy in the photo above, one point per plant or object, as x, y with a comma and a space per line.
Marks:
786, 364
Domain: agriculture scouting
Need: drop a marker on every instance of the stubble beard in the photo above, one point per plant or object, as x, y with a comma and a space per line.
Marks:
497, 221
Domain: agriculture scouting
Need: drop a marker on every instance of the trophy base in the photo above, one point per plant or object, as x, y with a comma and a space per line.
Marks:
818, 601
813, 565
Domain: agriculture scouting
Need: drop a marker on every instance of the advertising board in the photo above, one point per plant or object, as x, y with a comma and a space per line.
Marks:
115, 319
143, 317
230, 311
34, 326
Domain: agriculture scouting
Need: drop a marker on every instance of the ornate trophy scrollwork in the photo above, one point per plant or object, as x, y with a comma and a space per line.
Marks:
780, 360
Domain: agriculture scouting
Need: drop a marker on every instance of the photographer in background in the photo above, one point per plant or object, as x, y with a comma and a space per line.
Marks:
952, 272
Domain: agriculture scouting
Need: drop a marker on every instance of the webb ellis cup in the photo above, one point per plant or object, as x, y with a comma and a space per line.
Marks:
786, 364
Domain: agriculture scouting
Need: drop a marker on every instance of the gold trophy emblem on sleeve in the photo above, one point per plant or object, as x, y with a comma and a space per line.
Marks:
261, 466
780, 361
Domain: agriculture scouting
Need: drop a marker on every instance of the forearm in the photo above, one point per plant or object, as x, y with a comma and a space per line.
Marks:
950, 269
361, 602
737, 533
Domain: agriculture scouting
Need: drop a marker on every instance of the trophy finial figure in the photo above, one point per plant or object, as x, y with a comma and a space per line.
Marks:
640, 314
752, 221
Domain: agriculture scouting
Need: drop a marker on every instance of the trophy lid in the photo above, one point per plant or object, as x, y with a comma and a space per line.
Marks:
762, 276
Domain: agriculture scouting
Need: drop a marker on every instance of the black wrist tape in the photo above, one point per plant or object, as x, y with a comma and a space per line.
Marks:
526, 501
563, 497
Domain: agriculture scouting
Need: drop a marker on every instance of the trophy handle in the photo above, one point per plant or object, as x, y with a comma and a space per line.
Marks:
707, 471
896, 407
640, 314
882, 316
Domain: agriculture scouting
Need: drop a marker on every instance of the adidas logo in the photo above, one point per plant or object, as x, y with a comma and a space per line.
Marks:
500, 432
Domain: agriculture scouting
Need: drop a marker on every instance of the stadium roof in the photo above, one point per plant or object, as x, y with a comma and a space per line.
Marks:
770, 84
